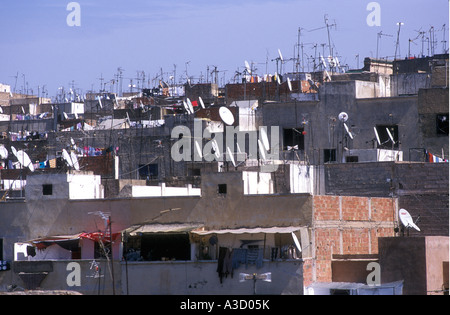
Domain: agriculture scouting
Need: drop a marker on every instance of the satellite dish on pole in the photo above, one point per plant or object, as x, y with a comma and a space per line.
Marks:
280, 55
247, 67
390, 135
230, 155
199, 150
215, 147
3, 152
23, 158
296, 241
406, 219
189, 103
265, 139
74, 160
289, 84
261, 151
201, 102
377, 135
67, 158
343, 117
348, 131
226, 115
186, 107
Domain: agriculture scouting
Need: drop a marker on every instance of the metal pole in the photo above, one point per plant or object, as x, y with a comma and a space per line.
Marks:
112, 257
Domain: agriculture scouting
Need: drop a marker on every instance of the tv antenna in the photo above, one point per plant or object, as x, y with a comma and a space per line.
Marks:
379, 35
397, 45
267, 277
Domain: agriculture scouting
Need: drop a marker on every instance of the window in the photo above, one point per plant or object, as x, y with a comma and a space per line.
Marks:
352, 159
329, 155
294, 137
165, 247
149, 171
222, 189
47, 190
442, 124
385, 139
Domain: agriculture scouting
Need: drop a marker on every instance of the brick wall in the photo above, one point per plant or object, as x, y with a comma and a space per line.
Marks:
346, 225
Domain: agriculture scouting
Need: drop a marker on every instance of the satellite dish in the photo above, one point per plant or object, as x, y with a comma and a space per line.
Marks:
390, 135
230, 155
343, 117
1, 110
216, 149
289, 84
14, 151
377, 135
296, 241
186, 107
100, 102
247, 66
280, 55
191, 108
201, 102
407, 220
24, 160
348, 131
265, 139
199, 150
65, 116
67, 158
128, 119
3, 152
261, 151
74, 159
226, 115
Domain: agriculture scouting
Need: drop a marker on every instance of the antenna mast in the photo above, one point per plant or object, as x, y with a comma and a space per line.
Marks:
397, 45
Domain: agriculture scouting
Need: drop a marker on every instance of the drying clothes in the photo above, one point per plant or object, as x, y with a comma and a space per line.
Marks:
255, 257
239, 257
220, 262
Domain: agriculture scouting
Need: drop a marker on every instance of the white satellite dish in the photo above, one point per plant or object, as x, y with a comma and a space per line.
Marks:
199, 150
230, 155
296, 241
280, 55
377, 135
186, 107
407, 220
226, 115
100, 102
74, 159
215, 147
24, 160
265, 139
14, 151
3, 152
67, 158
202, 104
1, 110
191, 108
390, 135
289, 84
261, 151
65, 116
343, 117
348, 131
247, 66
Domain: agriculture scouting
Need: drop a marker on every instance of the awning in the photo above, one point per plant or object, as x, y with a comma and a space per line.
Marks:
70, 242
161, 228
270, 230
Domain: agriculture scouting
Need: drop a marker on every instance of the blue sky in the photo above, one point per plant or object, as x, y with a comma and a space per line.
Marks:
136, 35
